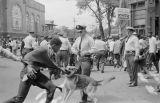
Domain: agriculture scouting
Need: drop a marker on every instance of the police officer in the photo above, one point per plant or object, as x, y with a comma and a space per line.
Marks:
65, 50
131, 56
101, 48
40, 57
83, 47
27, 44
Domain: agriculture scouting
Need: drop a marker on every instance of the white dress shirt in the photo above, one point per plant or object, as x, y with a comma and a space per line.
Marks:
28, 41
100, 45
132, 44
152, 45
111, 44
87, 45
66, 45
117, 47
44, 43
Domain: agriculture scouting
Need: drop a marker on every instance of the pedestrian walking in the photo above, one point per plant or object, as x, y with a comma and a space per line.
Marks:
131, 56
152, 52
101, 48
34, 60
83, 47
116, 52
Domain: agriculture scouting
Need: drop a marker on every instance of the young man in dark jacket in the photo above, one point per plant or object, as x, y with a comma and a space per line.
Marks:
33, 61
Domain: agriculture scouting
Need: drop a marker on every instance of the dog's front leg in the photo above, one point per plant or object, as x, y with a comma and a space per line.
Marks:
66, 91
68, 96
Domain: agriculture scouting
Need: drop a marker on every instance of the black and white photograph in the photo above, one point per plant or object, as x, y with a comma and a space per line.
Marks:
79, 51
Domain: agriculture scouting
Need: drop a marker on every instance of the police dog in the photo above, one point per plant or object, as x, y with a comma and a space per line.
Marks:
74, 82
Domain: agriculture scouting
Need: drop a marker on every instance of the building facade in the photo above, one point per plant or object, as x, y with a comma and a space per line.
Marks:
145, 16
18, 17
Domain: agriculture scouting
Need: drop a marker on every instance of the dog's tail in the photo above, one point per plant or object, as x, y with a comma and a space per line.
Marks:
102, 82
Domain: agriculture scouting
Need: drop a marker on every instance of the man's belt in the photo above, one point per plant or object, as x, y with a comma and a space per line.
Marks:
63, 50
130, 52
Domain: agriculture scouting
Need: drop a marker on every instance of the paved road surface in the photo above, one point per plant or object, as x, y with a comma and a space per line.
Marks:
115, 92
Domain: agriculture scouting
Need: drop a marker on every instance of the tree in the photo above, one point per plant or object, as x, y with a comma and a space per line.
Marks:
109, 7
95, 7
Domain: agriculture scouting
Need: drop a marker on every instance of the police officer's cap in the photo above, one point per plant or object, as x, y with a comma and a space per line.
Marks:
31, 32
80, 27
130, 28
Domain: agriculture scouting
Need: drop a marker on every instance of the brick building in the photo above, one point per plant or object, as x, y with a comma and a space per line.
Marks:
18, 17
145, 16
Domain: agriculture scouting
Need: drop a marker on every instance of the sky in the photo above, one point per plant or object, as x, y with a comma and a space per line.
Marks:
63, 13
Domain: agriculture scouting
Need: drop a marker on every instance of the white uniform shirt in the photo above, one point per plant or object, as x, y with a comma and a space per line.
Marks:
117, 47
35, 45
66, 45
152, 45
100, 45
132, 44
28, 41
111, 45
86, 45
44, 43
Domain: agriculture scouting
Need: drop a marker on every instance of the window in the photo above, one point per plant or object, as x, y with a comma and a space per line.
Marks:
141, 4
27, 21
32, 22
38, 19
16, 18
37, 23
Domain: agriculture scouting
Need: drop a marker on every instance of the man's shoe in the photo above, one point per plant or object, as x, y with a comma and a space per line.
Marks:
132, 85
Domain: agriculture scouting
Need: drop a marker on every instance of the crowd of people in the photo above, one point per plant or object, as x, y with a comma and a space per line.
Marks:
56, 53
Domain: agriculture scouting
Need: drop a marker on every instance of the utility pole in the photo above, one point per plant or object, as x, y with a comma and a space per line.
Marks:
74, 25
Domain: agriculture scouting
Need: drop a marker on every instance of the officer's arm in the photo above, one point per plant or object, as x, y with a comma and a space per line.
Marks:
8, 54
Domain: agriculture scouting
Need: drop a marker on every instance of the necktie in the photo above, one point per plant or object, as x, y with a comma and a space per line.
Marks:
80, 47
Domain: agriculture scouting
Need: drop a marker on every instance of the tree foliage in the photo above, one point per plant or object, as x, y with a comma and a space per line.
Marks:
101, 9
95, 7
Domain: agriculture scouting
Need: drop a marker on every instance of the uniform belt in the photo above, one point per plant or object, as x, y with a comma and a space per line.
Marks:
63, 50
87, 56
130, 52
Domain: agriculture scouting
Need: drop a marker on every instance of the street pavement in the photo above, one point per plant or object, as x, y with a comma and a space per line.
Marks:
116, 91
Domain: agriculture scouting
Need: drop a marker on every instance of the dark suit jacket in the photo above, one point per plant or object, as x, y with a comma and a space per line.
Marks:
40, 56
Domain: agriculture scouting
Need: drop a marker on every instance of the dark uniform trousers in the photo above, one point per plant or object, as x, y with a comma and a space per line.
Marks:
84, 68
100, 56
154, 57
63, 58
41, 81
132, 67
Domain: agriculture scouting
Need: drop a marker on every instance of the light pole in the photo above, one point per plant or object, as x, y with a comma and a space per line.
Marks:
74, 24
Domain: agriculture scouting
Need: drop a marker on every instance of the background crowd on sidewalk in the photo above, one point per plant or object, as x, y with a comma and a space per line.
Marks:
109, 51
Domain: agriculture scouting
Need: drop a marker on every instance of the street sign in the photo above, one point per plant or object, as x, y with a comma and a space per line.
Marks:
122, 13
